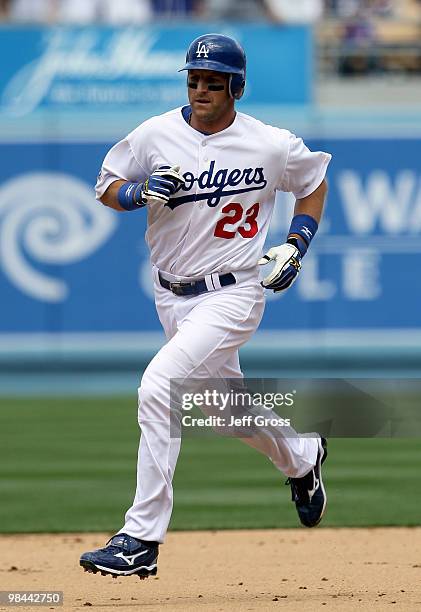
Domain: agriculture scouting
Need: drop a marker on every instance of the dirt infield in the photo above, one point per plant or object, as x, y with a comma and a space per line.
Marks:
324, 569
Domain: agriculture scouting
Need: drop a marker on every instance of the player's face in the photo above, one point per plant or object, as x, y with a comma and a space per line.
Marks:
208, 95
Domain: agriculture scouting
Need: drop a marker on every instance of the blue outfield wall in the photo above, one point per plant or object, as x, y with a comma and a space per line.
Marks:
68, 264
70, 268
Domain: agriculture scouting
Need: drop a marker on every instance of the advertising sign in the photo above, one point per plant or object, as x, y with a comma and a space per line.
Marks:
70, 264
115, 69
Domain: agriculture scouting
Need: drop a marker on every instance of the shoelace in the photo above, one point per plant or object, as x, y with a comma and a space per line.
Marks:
123, 542
299, 490
126, 543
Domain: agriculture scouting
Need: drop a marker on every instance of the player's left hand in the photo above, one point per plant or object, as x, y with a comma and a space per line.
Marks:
287, 266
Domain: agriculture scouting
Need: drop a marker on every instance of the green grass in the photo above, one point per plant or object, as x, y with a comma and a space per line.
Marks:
70, 465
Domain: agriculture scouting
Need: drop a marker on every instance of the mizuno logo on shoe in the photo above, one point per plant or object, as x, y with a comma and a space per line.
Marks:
130, 559
312, 491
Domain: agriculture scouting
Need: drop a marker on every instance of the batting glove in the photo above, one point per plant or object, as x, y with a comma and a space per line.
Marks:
159, 187
287, 266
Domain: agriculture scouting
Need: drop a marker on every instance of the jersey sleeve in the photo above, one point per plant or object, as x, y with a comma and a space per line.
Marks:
304, 169
119, 163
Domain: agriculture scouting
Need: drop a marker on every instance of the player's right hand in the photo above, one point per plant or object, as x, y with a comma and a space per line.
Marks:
161, 185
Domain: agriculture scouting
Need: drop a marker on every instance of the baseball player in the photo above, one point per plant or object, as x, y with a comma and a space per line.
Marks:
206, 176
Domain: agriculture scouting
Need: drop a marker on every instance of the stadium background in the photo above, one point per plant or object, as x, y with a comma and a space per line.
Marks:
78, 323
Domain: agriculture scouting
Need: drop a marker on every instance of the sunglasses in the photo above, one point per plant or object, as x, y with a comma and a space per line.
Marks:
210, 86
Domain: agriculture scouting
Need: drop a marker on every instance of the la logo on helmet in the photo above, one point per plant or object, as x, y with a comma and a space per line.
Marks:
202, 50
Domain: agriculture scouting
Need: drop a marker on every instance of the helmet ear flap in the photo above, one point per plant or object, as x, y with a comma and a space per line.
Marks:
236, 86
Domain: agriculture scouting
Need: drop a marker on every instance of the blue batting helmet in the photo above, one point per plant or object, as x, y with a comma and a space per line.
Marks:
222, 54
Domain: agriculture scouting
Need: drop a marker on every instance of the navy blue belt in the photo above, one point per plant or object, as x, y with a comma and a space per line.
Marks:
194, 287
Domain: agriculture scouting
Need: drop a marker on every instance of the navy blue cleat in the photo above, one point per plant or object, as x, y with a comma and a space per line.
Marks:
123, 556
308, 492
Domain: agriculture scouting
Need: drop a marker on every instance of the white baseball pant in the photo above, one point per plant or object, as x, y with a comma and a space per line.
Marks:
204, 334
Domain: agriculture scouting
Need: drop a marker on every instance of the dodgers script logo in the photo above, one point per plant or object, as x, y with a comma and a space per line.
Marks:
218, 184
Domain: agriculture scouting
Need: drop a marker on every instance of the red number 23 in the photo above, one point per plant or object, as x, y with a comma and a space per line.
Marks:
233, 214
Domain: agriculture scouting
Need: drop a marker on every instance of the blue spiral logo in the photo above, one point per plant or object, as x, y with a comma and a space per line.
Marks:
48, 218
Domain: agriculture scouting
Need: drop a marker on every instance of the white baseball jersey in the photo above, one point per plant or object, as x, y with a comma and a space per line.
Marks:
217, 221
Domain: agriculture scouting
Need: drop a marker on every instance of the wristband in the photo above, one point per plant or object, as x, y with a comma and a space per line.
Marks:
128, 195
305, 227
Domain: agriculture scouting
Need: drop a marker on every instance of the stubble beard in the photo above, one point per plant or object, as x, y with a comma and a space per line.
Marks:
212, 115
